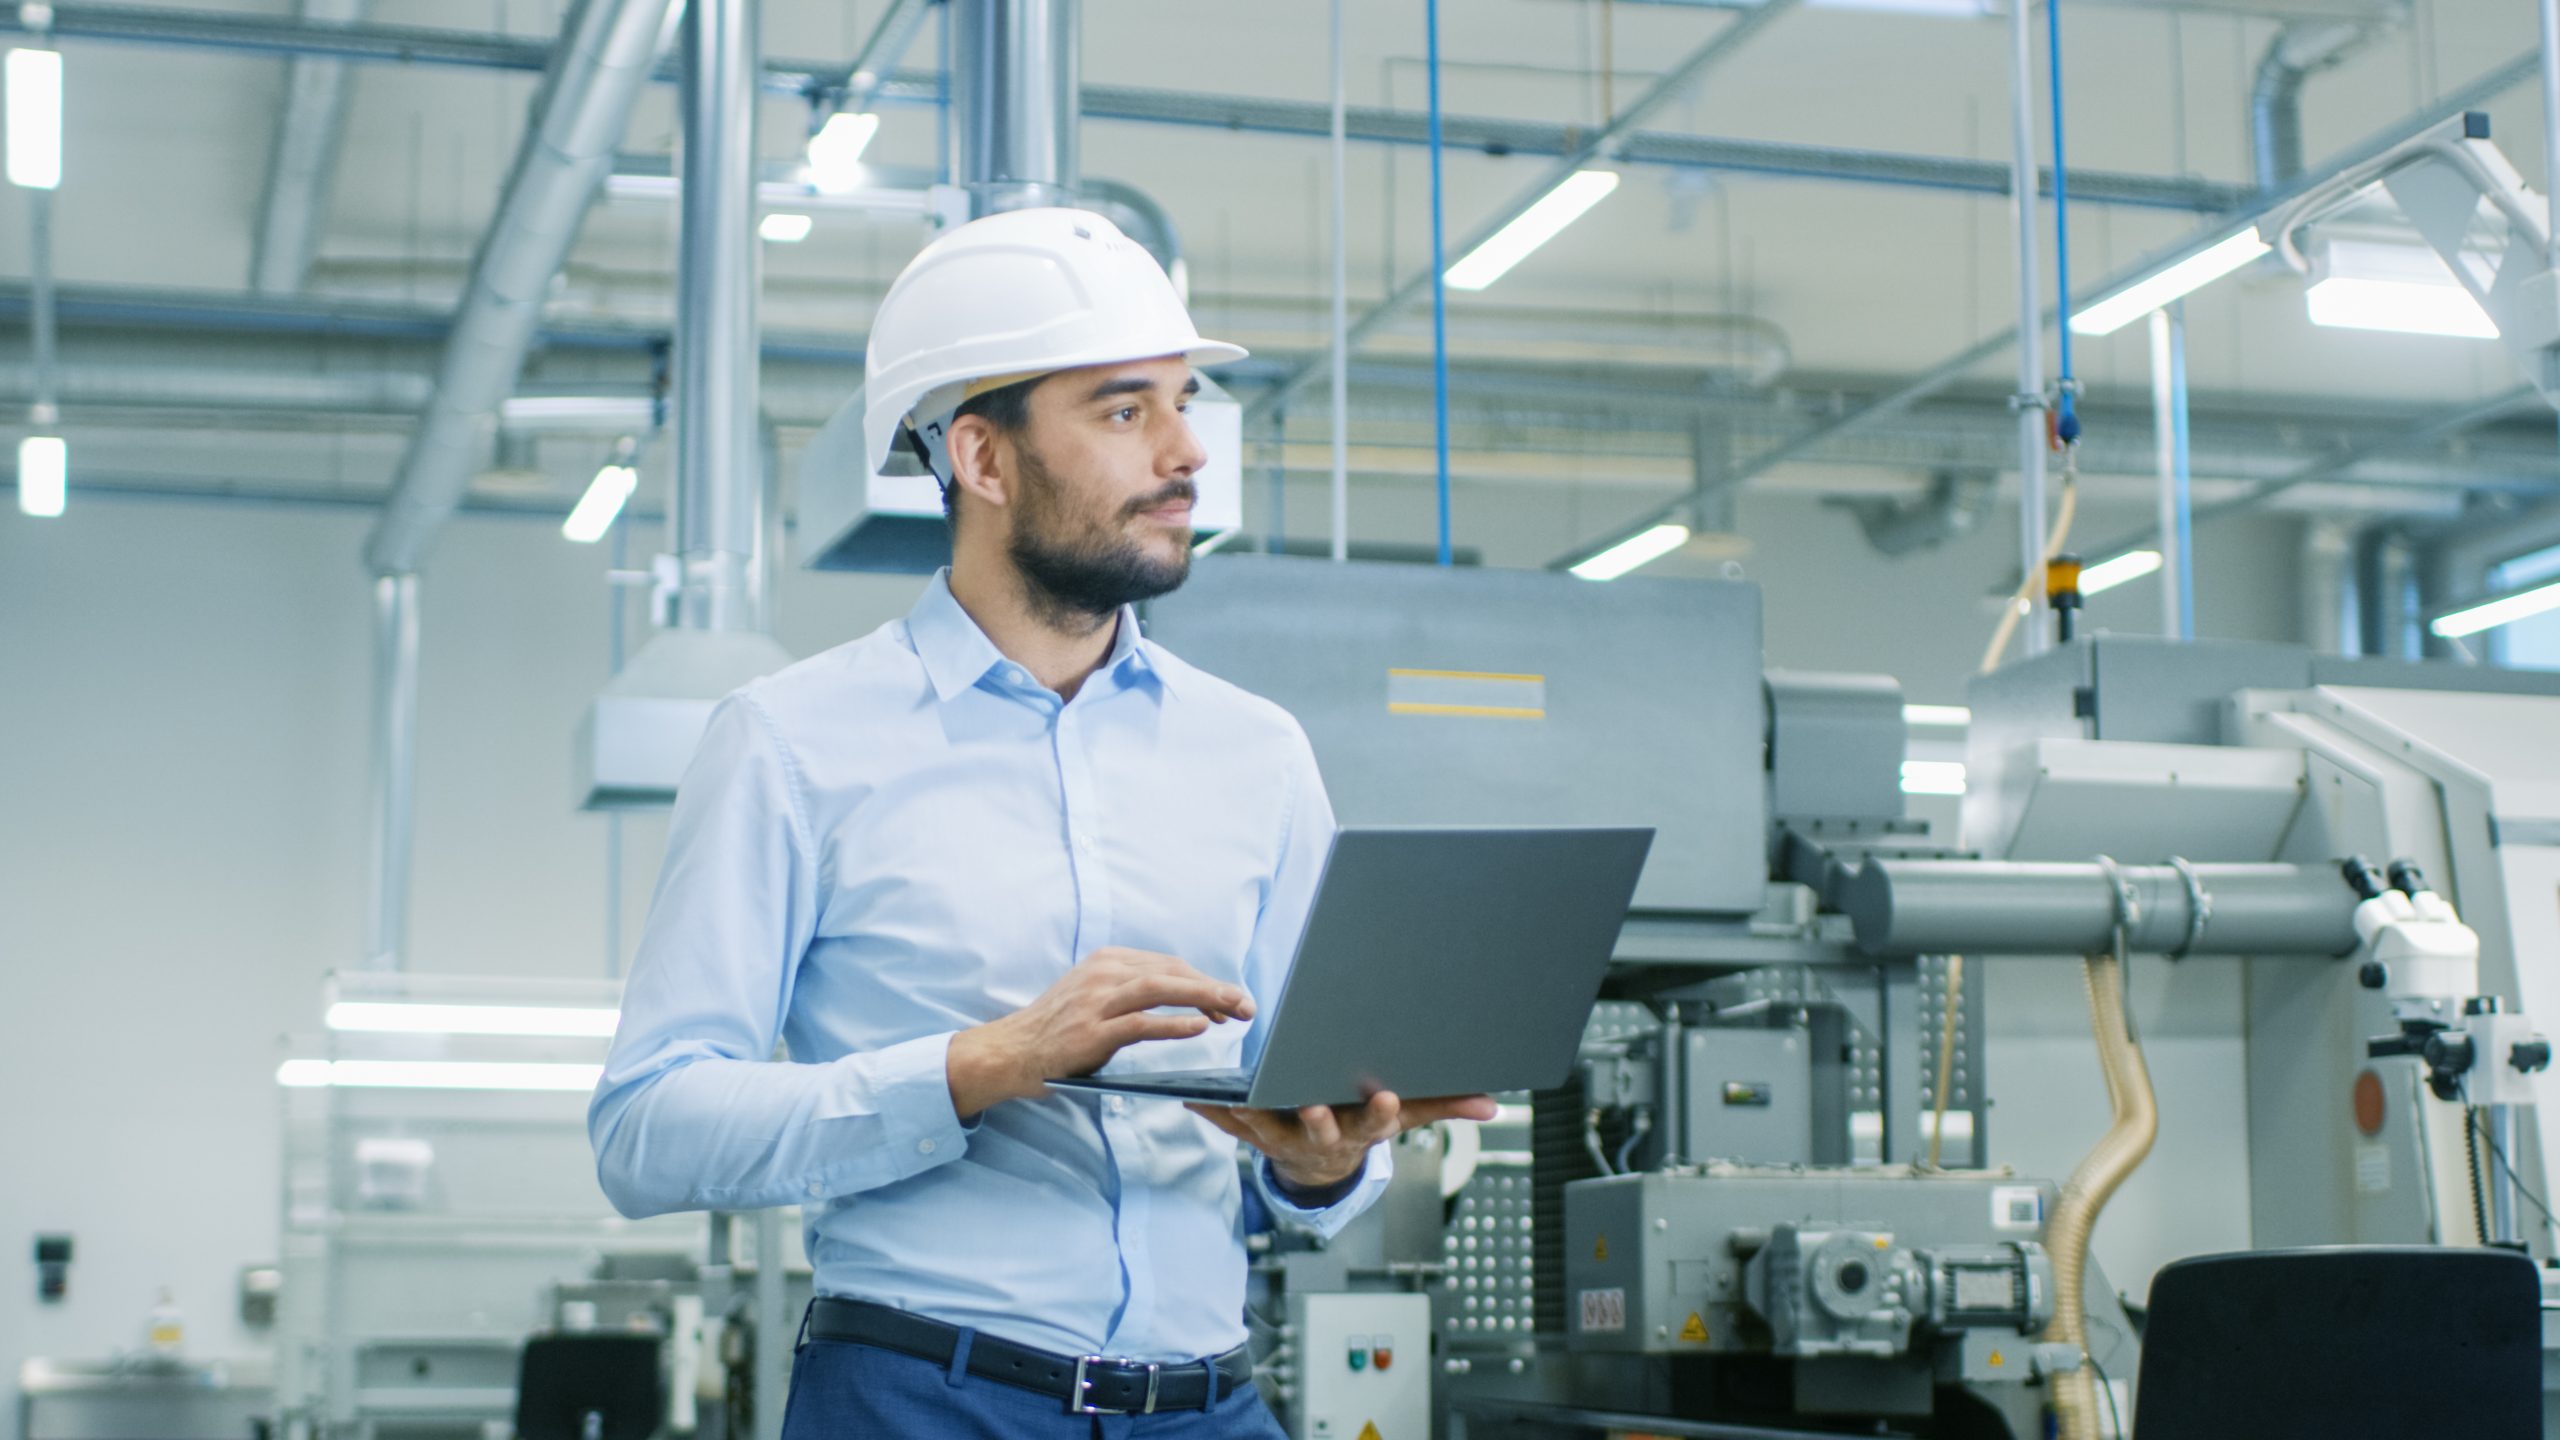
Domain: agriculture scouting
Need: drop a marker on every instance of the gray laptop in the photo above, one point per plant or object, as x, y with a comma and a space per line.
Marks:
1434, 962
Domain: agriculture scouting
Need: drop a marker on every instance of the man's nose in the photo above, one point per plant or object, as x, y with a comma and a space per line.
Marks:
1183, 455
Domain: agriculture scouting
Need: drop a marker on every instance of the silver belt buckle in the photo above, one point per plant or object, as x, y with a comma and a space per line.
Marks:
1077, 1405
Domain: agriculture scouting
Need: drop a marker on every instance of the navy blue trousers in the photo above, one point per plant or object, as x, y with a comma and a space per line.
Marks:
844, 1391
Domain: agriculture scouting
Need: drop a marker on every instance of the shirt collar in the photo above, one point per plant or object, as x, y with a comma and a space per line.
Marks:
957, 654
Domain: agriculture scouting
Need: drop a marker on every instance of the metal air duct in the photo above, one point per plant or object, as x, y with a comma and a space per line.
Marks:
1015, 68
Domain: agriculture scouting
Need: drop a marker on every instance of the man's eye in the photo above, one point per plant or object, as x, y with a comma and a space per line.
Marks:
1125, 412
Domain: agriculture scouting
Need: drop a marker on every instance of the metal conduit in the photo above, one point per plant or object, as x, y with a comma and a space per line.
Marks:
1014, 69
2299, 51
606, 52
2008, 907
718, 490
304, 161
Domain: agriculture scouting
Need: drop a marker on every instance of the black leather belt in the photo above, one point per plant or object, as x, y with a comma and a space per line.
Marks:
1089, 1384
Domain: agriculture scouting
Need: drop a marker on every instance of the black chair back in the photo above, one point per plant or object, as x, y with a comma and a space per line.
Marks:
589, 1387
2344, 1343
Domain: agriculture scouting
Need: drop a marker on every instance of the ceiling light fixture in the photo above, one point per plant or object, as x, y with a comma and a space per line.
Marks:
1937, 717
783, 228
44, 474
1537, 225
391, 1018
2405, 289
601, 505
438, 1075
835, 152
2108, 574
34, 82
2501, 610
1932, 777
2173, 282
1641, 548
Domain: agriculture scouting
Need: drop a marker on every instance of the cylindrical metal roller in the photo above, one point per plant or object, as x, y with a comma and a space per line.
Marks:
2011, 907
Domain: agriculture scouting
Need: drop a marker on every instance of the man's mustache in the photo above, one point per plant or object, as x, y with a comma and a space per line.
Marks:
1182, 490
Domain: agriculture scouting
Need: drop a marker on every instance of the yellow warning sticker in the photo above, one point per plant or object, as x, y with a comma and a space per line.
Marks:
1696, 1330
1997, 1360
1601, 1250
1369, 1431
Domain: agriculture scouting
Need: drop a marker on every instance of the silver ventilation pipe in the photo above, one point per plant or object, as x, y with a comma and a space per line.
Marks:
642, 729
395, 767
304, 161
607, 50
1015, 68
719, 499
2300, 50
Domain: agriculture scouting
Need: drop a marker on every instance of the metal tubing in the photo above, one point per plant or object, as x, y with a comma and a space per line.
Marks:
42, 334
2180, 536
304, 160
605, 53
395, 767
1340, 349
2551, 124
1014, 69
717, 491
1601, 145
1438, 271
2029, 399
2299, 51
890, 39
2164, 436
773, 1307
1997, 907
2502, 1179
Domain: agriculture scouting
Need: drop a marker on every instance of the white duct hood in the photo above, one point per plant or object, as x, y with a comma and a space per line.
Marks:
640, 732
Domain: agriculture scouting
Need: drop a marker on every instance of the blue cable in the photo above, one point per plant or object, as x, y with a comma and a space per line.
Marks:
1439, 287
2067, 425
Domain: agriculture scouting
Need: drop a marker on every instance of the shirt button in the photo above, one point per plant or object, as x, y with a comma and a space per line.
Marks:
813, 1187
1084, 842
924, 1147
1115, 1104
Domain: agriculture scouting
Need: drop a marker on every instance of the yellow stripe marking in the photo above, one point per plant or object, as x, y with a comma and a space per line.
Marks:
1497, 712
1471, 675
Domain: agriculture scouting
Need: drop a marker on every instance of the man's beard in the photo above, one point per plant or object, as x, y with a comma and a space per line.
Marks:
1081, 574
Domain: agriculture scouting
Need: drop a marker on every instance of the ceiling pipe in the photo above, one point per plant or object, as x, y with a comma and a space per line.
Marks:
414, 45
304, 162
606, 52
718, 495
2299, 51
1015, 68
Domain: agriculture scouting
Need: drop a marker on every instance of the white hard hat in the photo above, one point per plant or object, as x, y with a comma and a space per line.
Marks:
1017, 294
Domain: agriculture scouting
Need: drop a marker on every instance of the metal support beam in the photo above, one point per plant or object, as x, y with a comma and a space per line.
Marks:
1601, 146
1955, 367
395, 767
719, 490
304, 161
606, 50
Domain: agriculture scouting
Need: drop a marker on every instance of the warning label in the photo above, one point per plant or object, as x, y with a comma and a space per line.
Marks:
1695, 1331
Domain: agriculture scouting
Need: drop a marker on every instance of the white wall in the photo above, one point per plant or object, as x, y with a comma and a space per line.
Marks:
183, 770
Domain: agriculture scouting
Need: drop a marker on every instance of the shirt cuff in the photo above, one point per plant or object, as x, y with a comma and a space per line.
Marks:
908, 1086
1328, 1220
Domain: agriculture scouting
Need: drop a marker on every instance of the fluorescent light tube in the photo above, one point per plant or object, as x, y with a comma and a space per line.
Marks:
2401, 306
1953, 9
1937, 717
597, 509
1627, 554
34, 83
2108, 574
44, 475
2186, 277
2506, 609
417, 1019
1536, 226
785, 229
1932, 777
438, 1074
835, 152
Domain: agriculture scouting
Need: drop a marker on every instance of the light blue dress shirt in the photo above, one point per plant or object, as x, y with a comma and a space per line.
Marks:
907, 836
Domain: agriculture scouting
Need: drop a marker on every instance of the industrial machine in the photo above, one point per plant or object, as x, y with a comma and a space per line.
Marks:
1770, 1196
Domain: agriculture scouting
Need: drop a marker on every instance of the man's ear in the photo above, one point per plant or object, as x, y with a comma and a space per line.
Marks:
977, 456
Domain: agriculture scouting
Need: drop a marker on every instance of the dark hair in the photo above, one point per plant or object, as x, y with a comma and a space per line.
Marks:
1008, 409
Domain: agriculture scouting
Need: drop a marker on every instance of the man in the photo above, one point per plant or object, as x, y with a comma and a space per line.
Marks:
1002, 841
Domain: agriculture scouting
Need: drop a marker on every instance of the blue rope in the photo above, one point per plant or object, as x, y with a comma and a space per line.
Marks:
1439, 287
2067, 424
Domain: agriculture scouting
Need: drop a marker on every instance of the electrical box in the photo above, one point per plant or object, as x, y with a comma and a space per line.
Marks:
1364, 1367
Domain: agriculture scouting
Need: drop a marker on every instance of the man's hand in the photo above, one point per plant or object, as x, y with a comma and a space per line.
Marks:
1076, 1026
1320, 1146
